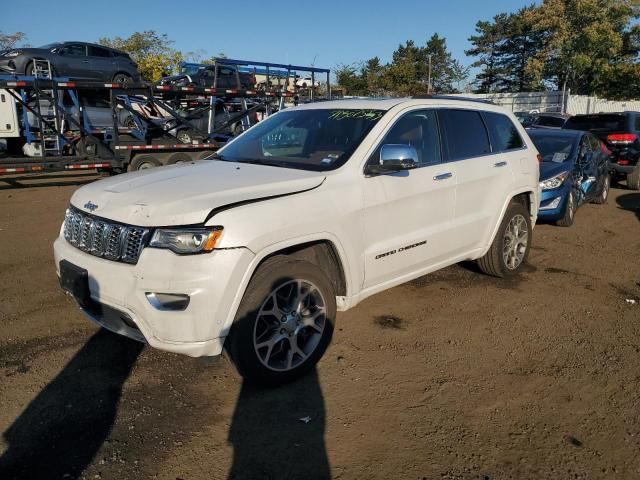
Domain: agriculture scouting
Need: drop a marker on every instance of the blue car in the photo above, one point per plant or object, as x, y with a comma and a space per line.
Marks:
574, 170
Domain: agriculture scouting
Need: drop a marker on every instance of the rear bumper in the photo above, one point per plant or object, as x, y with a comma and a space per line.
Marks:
621, 169
119, 302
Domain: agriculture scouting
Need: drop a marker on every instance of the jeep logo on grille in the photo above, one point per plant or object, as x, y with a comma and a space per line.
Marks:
90, 206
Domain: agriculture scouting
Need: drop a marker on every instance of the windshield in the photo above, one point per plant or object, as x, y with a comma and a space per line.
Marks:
313, 139
596, 122
554, 148
191, 70
49, 46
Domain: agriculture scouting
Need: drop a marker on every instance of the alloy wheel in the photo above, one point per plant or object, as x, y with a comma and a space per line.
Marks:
516, 240
289, 325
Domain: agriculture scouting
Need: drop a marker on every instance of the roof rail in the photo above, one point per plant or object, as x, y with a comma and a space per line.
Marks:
453, 97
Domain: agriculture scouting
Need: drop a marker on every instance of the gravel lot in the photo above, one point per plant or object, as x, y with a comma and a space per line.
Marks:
453, 376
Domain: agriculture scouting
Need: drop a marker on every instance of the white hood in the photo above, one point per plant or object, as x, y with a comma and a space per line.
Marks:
184, 194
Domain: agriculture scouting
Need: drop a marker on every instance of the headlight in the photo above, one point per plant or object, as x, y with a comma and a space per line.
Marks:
186, 240
554, 182
13, 53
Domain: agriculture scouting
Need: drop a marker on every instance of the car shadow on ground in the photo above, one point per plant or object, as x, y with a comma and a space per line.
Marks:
279, 432
62, 429
631, 202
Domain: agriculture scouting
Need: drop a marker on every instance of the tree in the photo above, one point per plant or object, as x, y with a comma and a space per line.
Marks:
591, 45
408, 72
490, 36
351, 77
150, 50
519, 53
374, 76
9, 40
446, 72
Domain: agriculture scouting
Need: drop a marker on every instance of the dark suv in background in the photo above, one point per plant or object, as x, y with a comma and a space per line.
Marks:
196, 75
75, 60
620, 133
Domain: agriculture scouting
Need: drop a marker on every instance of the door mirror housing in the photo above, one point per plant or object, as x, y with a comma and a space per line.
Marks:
395, 158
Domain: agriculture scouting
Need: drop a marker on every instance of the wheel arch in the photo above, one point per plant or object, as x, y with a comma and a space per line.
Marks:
324, 250
527, 198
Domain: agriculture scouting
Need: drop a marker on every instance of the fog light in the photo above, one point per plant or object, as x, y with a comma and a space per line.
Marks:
168, 301
550, 206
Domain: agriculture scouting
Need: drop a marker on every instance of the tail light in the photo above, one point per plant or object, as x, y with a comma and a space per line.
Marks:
622, 138
539, 158
623, 162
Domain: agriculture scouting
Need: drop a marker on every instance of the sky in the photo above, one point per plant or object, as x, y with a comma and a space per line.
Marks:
326, 33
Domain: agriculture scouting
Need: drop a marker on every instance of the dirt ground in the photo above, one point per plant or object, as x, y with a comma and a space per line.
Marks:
453, 376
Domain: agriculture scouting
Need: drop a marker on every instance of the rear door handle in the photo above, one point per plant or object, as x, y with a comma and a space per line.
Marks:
500, 164
443, 176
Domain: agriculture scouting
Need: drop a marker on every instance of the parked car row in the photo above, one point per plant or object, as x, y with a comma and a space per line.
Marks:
574, 170
76, 60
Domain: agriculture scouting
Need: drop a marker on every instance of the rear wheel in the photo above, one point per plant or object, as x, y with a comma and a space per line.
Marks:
184, 136
569, 212
633, 178
604, 192
284, 323
122, 78
144, 162
510, 248
178, 157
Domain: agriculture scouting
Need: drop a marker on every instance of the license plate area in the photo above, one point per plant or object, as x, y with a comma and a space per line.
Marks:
75, 281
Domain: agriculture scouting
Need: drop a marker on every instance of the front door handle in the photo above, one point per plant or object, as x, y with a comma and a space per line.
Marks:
500, 164
443, 176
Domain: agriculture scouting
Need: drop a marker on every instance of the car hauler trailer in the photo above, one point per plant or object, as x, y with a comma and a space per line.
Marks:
46, 124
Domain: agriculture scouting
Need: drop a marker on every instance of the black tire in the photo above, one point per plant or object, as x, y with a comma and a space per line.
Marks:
143, 162
179, 157
494, 263
184, 136
603, 196
569, 212
237, 129
30, 70
251, 324
88, 147
122, 78
633, 179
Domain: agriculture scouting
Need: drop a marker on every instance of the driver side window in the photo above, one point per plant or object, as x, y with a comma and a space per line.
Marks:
418, 129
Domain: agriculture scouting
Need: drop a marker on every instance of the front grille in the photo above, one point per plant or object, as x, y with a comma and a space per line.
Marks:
102, 238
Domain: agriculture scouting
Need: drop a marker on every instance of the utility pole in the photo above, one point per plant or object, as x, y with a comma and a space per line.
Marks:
429, 77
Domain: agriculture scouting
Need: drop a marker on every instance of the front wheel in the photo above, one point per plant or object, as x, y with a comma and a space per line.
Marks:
569, 212
604, 192
510, 248
284, 323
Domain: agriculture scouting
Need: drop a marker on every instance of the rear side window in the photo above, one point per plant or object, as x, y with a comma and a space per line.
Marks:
503, 133
605, 123
550, 121
99, 52
465, 134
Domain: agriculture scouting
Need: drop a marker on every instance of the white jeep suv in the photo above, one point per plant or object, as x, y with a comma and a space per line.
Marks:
308, 212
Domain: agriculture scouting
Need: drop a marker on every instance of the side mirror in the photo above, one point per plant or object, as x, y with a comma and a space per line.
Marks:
397, 157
